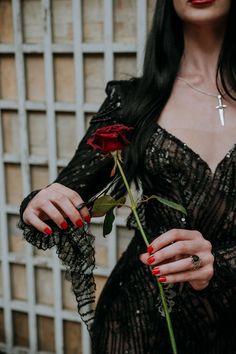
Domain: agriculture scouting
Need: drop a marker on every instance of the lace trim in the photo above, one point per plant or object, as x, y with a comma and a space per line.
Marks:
75, 248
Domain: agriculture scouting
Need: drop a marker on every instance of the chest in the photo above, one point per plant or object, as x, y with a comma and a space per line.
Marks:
195, 120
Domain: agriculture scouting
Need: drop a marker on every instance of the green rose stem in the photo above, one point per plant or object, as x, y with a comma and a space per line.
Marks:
134, 210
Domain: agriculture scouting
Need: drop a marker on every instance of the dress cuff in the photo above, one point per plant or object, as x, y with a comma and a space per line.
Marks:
75, 249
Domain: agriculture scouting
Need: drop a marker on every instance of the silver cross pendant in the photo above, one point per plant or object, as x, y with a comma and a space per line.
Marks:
221, 108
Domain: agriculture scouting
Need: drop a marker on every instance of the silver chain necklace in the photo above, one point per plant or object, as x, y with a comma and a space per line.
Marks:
220, 105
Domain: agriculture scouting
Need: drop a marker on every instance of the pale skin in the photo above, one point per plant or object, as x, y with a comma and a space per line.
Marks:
191, 117
55, 202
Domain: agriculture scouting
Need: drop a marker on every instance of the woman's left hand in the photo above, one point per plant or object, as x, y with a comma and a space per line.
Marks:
170, 254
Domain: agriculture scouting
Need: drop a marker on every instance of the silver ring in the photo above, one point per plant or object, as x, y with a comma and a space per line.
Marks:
80, 206
196, 261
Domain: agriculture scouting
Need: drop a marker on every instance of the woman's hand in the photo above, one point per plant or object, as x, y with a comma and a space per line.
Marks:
170, 254
55, 202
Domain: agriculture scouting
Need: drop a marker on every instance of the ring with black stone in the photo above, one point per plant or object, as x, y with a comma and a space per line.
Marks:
196, 261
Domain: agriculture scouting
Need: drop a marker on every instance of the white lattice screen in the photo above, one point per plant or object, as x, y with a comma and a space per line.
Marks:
55, 59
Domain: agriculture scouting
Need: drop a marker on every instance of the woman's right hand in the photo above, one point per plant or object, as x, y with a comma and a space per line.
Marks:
55, 202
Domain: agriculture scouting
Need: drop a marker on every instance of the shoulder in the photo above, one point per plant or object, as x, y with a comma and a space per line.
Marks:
118, 93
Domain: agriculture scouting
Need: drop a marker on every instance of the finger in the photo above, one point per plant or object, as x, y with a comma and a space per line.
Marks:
84, 211
198, 284
200, 275
144, 257
41, 226
74, 197
184, 264
69, 209
175, 249
54, 214
172, 236
76, 201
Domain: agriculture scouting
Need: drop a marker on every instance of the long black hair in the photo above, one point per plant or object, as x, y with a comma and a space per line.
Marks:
149, 93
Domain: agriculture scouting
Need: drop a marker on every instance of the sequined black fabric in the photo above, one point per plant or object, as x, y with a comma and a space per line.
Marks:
129, 317
87, 173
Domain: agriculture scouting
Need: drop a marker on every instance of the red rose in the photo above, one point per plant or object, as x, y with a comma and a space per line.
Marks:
110, 138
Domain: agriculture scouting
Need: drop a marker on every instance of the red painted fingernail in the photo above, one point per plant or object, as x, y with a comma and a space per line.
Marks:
48, 231
162, 279
79, 223
156, 271
87, 218
151, 260
64, 225
149, 249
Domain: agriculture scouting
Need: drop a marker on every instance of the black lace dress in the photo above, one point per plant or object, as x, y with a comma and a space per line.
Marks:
129, 317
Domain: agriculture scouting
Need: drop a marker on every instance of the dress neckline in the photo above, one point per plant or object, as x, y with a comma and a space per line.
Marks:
181, 143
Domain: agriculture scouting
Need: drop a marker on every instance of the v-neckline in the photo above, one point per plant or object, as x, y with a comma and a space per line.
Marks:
194, 153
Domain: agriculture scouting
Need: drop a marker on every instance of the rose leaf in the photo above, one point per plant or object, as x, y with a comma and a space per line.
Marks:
170, 204
121, 201
103, 204
108, 222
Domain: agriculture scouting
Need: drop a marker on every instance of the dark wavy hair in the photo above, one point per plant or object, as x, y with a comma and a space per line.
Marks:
148, 94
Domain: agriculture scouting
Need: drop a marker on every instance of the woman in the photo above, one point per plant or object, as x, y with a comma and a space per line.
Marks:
188, 156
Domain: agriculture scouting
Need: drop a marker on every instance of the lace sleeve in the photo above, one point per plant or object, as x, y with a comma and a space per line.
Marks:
87, 173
